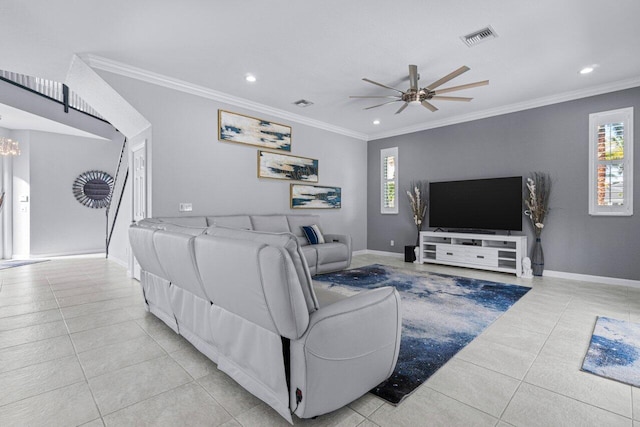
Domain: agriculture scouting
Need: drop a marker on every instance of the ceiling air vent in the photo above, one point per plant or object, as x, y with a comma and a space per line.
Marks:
479, 36
302, 103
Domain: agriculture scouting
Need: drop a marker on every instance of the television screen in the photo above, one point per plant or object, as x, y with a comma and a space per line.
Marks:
482, 204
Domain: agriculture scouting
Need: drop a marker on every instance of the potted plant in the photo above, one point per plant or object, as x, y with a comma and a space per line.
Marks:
537, 202
417, 195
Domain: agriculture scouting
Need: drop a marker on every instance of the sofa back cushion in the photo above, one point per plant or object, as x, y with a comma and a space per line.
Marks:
290, 244
241, 222
270, 223
188, 221
176, 254
253, 280
141, 240
296, 222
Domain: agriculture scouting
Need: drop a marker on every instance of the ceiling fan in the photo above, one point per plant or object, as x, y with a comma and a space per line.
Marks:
422, 96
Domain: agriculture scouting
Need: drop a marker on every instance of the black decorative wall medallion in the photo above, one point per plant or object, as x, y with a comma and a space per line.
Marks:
93, 189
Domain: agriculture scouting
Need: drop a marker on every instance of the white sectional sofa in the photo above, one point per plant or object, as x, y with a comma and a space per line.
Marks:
245, 299
334, 255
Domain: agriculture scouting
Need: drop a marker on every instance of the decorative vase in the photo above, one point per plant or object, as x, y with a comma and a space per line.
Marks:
416, 250
537, 258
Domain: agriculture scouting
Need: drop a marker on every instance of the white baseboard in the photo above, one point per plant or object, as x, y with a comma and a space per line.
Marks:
547, 273
89, 253
120, 262
589, 278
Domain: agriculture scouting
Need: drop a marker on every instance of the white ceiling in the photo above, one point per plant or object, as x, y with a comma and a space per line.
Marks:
321, 50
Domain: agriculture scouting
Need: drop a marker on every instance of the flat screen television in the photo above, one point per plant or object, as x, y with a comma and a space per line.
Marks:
478, 204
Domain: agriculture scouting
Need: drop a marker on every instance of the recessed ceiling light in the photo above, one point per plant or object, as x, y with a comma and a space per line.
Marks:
376, 122
586, 70
250, 78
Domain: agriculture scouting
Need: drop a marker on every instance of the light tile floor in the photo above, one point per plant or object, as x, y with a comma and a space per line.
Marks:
78, 348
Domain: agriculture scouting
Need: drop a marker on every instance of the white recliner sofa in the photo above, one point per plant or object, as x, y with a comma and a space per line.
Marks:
333, 255
245, 299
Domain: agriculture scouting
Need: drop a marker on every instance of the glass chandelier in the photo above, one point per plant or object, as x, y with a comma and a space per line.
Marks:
9, 147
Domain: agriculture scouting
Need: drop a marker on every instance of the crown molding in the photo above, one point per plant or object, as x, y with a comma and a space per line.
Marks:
512, 108
126, 70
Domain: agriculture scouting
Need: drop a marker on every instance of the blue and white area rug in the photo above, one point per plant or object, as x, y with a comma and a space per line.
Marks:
10, 263
440, 315
614, 351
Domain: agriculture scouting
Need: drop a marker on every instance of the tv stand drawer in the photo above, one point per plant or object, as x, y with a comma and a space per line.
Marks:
467, 255
483, 259
451, 253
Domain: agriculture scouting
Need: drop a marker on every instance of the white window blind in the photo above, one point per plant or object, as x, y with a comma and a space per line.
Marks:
389, 180
611, 162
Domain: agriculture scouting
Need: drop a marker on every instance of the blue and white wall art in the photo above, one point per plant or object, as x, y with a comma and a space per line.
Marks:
233, 127
285, 166
614, 351
315, 197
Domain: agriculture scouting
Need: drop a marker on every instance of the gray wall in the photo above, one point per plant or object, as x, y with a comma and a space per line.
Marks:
59, 224
191, 165
553, 139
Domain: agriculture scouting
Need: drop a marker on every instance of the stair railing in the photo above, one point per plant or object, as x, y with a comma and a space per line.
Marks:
116, 194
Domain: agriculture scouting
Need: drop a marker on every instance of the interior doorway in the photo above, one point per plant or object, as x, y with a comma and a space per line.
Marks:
139, 187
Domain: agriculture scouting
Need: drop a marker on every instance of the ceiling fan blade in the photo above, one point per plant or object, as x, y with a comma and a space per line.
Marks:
384, 103
413, 77
366, 96
381, 85
452, 98
402, 108
448, 77
429, 106
467, 86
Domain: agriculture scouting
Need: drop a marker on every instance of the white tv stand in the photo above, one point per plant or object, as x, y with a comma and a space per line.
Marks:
482, 251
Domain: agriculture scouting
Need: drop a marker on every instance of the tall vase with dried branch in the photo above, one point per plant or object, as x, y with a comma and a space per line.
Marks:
418, 202
537, 203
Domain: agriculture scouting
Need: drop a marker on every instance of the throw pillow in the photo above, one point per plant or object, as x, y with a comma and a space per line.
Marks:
313, 234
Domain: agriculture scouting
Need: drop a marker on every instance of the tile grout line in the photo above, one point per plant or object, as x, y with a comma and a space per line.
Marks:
75, 350
522, 381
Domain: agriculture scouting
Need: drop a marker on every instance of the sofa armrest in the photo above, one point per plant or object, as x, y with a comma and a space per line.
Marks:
340, 238
349, 347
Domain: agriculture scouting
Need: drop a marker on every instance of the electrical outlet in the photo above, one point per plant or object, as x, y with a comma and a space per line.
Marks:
392, 243
186, 207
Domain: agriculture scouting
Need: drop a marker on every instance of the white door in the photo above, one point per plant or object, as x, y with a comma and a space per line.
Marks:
139, 182
139, 161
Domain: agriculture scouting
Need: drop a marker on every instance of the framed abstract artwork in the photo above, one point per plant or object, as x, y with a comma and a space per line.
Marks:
233, 127
286, 166
315, 197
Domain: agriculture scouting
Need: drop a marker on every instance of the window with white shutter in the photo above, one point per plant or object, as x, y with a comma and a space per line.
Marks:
389, 180
611, 162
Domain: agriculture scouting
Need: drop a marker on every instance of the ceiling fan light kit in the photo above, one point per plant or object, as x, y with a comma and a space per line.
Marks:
415, 95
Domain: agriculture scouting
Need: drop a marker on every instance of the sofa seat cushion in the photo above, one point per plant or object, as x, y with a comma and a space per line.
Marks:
310, 254
240, 222
331, 252
270, 223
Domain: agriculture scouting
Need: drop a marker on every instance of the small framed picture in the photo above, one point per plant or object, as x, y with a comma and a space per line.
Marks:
233, 127
287, 167
315, 197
